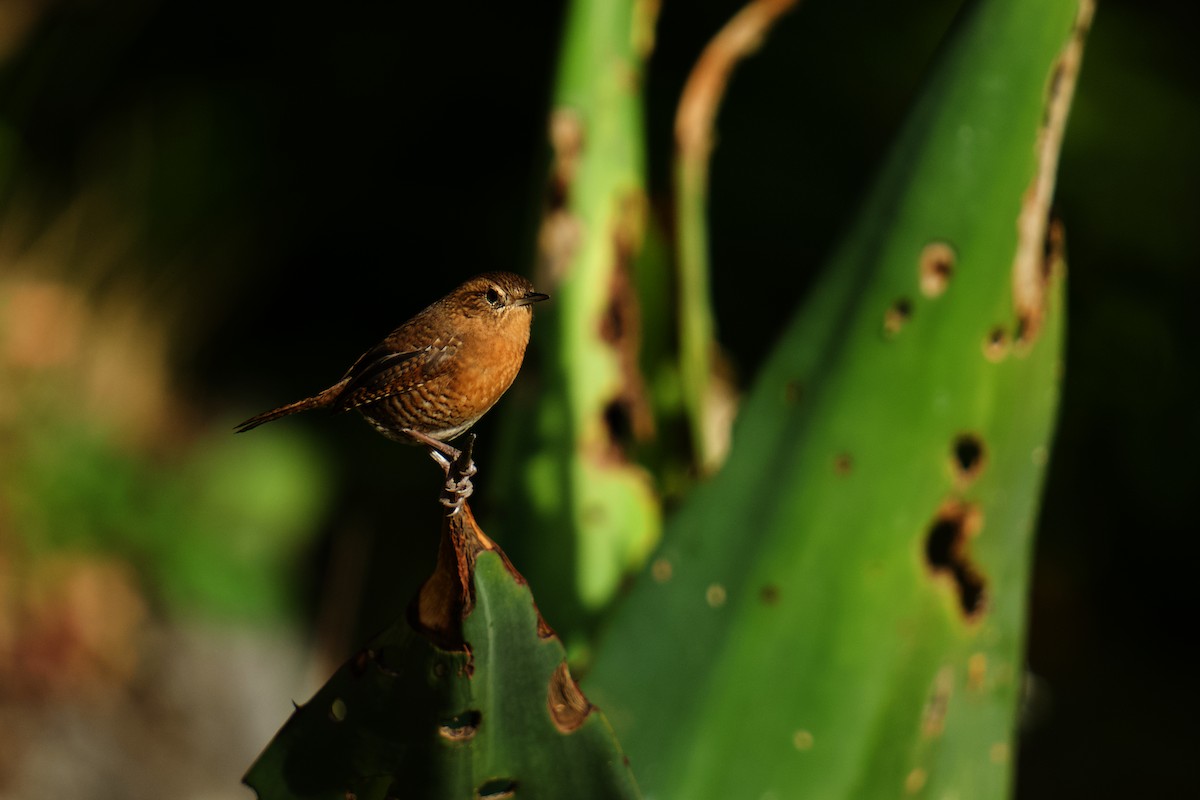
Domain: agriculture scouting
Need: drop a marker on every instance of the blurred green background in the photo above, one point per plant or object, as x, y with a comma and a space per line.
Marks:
210, 209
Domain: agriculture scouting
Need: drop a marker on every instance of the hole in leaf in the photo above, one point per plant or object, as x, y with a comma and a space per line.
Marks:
937, 266
460, 727
497, 789
619, 422
968, 454
946, 553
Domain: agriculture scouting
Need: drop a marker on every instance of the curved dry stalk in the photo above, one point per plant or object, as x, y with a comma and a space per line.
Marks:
705, 87
710, 402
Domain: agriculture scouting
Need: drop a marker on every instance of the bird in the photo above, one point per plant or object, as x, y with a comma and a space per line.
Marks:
433, 377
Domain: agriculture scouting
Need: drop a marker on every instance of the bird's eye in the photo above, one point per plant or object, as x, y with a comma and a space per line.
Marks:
493, 298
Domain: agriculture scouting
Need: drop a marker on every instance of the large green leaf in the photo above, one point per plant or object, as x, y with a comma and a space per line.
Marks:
472, 698
840, 611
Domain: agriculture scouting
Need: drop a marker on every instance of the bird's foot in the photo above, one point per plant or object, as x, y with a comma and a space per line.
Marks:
454, 494
459, 467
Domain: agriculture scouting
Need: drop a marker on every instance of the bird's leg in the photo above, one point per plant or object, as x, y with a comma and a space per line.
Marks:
441, 452
458, 465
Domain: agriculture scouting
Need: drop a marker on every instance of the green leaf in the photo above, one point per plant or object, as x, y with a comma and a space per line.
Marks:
492, 710
591, 515
840, 611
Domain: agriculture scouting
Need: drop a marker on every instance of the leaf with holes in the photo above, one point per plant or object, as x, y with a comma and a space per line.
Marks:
839, 612
472, 699
591, 514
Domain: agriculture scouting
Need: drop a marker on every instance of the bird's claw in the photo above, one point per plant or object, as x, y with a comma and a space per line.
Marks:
458, 471
455, 493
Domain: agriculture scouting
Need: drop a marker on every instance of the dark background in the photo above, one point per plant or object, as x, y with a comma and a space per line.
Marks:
305, 176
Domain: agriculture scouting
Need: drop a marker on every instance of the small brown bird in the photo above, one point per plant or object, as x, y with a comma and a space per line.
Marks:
433, 377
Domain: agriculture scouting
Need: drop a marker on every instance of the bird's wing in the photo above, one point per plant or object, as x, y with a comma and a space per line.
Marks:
382, 372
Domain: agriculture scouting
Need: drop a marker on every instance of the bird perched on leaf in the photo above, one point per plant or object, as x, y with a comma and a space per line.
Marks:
432, 378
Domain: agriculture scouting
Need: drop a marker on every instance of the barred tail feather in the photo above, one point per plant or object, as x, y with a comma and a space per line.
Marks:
325, 399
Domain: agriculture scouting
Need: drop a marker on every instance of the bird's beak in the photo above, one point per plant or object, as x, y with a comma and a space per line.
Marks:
531, 298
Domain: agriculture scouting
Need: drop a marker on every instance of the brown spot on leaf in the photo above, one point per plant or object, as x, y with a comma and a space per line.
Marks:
715, 595
896, 316
933, 719
558, 240
567, 141
770, 594
561, 231
915, 781
995, 345
976, 671
627, 416
1050, 265
843, 464
1029, 274
568, 706
544, 631
936, 268
947, 555
661, 570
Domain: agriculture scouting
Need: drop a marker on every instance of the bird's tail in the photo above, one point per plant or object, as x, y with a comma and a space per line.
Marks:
325, 399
